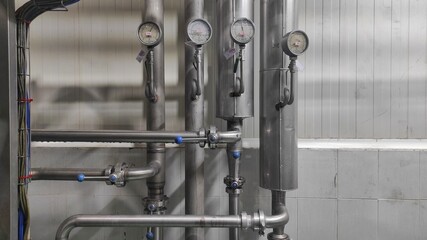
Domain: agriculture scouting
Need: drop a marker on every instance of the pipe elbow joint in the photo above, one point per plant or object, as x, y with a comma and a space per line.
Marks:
66, 227
280, 219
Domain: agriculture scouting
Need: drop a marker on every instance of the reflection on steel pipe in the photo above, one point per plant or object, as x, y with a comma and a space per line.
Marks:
258, 221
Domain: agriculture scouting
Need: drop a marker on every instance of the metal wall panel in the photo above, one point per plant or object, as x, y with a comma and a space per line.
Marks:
364, 73
8, 124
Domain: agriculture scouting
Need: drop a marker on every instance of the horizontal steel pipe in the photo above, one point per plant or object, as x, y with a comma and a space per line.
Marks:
130, 136
67, 174
255, 222
112, 136
92, 174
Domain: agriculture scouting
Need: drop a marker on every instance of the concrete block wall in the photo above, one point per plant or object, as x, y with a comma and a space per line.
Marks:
343, 194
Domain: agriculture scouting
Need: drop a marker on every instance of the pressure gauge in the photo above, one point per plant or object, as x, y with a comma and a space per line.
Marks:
295, 43
150, 34
199, 31
242, 30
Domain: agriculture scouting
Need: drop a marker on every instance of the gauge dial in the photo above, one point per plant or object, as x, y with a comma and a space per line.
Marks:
149, 34
295, 43
199, 31
242, 30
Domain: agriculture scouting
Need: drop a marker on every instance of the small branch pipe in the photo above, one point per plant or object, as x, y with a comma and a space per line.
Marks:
92, 174
111, 136
68, 174
131, 136
258, 221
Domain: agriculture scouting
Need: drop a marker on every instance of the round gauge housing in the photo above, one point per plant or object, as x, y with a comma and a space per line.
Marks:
295, 43
242, 31
199, 31
150, 34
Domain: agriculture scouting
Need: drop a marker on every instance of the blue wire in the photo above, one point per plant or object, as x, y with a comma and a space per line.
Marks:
21, 220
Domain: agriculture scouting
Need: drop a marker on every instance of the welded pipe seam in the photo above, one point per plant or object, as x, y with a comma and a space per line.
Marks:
255, 222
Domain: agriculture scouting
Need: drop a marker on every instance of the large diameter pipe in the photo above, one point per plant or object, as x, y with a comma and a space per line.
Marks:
278, 129
194, 120
228, 105
256, 221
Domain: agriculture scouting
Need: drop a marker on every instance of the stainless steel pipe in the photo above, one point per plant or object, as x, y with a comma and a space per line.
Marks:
194, 120
257, 221
112, 136
92, 174
68, 174
153, 11
278, 129
229, 106
131, 136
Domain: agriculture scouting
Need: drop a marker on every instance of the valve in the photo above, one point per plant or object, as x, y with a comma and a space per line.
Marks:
149, 235
113, 178
179, 140
80, 177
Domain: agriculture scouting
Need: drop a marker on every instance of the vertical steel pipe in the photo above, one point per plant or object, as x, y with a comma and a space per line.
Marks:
278, 135
229, 106
153, 11
235, 181
194, 118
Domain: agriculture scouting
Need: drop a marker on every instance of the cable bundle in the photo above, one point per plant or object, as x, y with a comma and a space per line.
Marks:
25, 15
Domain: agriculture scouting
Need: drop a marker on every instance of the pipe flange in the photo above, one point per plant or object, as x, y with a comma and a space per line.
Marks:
213, 137
234, 183
107, 172
272, 236
246, 220
202, 134
117, 175
155, 205
262, 224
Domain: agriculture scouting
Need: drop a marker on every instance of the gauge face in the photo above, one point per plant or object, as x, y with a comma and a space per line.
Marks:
295, 43
199, 31
149, 34
242, 30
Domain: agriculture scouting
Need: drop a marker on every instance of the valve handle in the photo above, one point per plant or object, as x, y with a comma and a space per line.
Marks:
80, 177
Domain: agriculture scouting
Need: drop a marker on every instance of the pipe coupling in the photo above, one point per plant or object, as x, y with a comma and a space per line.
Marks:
273, 236
116, 174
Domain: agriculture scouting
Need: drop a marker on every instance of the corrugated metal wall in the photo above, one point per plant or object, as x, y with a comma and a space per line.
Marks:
364, 77
365, 73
